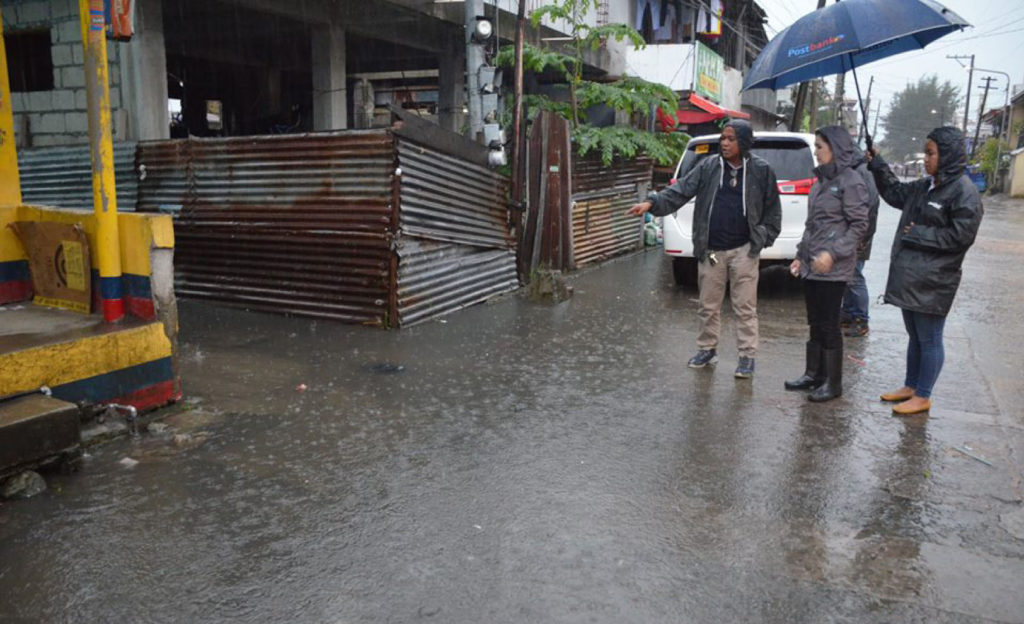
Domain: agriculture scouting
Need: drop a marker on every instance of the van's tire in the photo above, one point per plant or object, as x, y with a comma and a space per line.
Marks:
684, 270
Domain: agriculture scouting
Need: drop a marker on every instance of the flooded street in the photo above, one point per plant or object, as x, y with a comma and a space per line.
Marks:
525, 463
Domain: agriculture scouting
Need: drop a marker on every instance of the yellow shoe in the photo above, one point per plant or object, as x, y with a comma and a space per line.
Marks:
913, 405
897, 396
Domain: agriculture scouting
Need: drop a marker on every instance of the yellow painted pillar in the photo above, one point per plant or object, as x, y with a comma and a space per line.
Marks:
10, 183
97, 86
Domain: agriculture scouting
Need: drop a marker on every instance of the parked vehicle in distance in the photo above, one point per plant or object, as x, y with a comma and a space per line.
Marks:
791, 156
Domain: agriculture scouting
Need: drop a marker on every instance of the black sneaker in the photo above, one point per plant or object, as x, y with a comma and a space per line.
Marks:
703, 358
745, 369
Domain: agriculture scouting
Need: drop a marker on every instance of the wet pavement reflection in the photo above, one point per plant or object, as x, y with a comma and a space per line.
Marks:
527, 463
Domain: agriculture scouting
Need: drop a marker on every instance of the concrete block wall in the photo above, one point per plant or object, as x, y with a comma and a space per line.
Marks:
58, 117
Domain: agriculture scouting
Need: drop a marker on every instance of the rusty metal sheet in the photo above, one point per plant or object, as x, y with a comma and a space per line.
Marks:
601, 229
601, 195
437, 278
301, 224
590, 175
62, 176
448, 199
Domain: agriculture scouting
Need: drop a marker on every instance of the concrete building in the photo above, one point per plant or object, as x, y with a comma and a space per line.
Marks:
701, 50
241, 67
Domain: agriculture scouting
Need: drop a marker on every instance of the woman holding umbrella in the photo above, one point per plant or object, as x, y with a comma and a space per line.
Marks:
941, 216
837, 219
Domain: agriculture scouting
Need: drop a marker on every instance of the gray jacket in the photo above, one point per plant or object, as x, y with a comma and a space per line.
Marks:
760, 201
838, 212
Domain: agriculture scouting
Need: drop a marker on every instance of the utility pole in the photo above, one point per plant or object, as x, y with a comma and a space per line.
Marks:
813, 85
838, 101
878, 113
474, 59
867, 107
517, 109
801, 96
981, 113
970, 76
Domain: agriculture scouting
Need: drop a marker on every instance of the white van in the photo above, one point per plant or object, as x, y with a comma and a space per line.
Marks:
791, 156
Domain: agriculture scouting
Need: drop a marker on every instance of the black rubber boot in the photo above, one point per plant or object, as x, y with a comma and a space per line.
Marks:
833, 386
813, 375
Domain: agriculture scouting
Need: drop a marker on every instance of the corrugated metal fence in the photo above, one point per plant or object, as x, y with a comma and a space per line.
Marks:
320, 225
456, 248
62, 176
600, 197
577, 206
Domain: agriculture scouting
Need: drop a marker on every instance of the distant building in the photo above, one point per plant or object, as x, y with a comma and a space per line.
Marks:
701, 49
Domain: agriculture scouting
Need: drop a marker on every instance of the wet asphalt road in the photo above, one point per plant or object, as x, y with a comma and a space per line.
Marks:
525, 463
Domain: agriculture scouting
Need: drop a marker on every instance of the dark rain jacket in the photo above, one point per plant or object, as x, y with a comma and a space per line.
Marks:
924, 269
838, 210
761, 203
873, 199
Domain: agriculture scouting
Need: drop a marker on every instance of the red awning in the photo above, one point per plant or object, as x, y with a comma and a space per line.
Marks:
706, 111
710, 107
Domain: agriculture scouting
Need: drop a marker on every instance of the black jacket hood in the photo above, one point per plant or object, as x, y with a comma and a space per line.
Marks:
744, 134
845, 154
952, 155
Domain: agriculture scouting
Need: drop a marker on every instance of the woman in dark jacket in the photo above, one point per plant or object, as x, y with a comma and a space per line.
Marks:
941, 216
837, 219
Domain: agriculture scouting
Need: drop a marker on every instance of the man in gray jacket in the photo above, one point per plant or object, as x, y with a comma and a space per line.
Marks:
737, 214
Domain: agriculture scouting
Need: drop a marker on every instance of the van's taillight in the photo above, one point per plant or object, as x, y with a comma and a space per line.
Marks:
796, 187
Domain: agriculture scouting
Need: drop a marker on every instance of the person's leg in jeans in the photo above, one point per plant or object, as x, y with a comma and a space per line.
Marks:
913, 351
925, 356
913, 362
929, 329
856, 302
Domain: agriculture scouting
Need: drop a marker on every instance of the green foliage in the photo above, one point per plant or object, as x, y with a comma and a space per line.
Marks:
988, 153
628, 142
631, 95
596, 36
536, 59
910, 116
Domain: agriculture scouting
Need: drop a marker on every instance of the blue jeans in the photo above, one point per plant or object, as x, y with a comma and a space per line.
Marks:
925, 353
855, 300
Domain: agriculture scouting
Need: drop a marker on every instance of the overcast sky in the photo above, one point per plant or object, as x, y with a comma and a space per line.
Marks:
996, 40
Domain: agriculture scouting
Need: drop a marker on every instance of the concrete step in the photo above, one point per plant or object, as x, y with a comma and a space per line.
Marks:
36, 430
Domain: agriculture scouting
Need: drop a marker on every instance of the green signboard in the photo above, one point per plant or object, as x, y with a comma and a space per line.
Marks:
708, 70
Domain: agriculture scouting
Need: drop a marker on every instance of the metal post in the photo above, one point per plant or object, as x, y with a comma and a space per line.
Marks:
981, 112
97, 87
967, 99
517, 115
474, 59
1004, 126
10, 182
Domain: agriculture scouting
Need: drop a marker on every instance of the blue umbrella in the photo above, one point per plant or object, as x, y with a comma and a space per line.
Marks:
846, 35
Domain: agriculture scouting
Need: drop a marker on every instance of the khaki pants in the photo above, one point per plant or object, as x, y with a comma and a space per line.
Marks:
737, 268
